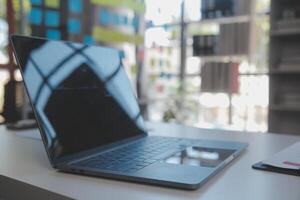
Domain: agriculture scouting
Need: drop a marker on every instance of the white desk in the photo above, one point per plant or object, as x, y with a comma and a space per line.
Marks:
24, 160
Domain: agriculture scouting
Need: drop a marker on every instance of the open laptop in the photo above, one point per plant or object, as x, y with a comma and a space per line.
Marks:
91, 124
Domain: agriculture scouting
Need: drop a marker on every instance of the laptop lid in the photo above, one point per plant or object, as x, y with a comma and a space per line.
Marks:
81, 95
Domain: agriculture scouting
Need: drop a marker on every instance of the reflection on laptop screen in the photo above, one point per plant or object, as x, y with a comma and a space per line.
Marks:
81, 94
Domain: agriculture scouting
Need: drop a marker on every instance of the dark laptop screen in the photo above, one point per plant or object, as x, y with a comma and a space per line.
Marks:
81, 94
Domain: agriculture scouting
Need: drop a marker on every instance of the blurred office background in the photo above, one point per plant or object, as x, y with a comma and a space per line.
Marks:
226, 64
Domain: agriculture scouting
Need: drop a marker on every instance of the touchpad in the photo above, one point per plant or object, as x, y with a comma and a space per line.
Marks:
200, 156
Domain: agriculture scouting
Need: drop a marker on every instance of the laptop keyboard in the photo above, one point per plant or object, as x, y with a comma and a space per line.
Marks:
133, 157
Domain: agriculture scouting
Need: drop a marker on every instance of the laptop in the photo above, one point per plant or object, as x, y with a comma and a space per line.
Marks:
91, 124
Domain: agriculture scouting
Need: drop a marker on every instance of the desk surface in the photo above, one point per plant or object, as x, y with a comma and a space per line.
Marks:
25, 160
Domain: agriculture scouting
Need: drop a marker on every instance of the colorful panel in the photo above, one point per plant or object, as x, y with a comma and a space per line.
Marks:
135, 5
36, 2
75, 6
52, 18
74, 26
115, 19
105, 35
88, 39
107, 17
53, 34
104, 17
52, 3
135, 22
35, 16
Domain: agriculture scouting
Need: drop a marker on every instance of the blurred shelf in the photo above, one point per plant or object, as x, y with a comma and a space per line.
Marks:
286, 108
173, 74
284, 72
172, 44
222, 20
146, 101
223, 58
215, 91
168, 25
254, 74
192, 75
264, 13
163, 74
219, 20
285, 32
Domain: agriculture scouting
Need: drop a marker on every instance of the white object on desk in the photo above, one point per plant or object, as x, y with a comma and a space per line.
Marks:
288, 158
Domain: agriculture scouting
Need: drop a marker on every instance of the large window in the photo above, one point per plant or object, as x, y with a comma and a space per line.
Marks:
245, 109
